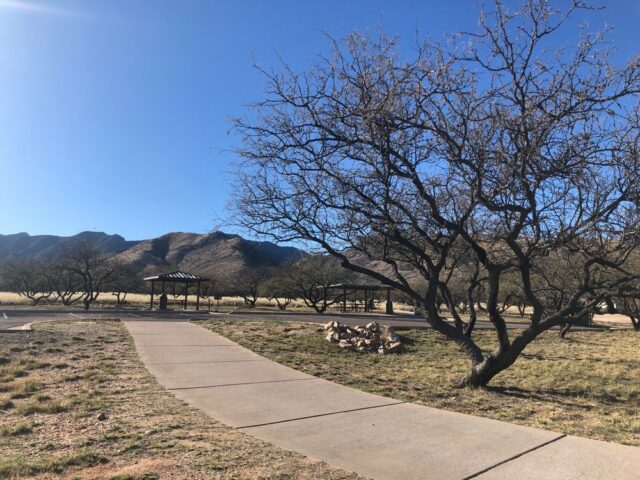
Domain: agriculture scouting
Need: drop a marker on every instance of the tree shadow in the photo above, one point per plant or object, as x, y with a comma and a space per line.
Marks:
562, 397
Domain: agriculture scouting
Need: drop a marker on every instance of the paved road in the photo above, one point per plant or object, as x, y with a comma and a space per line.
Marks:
378, 437
15, 318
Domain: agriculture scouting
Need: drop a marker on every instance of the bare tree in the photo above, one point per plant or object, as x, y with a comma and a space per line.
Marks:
125, 280
275, 287
494, 139
66, 284
248, 284
28, 279
311, 279
94, 270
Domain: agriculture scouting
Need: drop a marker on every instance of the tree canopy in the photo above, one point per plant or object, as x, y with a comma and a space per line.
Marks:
495, 148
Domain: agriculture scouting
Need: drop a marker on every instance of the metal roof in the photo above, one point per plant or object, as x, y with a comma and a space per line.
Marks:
177, 276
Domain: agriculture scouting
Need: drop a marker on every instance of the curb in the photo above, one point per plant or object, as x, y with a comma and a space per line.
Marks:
22, 328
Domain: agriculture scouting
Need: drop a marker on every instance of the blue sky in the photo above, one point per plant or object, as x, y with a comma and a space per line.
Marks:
105, 106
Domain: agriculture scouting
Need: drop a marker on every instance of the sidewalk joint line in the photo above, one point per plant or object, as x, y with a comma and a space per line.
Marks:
319, 415
211, 361
243, 383
510, 459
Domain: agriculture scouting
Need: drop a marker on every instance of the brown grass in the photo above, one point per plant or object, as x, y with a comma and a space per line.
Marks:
586, 385
11, 300
55, 381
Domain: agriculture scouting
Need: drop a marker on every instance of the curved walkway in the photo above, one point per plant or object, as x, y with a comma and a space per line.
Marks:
374, 436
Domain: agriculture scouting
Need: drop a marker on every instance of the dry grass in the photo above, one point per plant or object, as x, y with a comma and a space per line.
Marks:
55, 381
586, 385
107, 300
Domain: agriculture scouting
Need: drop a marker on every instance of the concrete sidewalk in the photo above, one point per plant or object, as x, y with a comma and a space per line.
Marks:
374, 436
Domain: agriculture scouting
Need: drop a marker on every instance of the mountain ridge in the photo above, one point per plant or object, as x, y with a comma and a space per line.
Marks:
216, 253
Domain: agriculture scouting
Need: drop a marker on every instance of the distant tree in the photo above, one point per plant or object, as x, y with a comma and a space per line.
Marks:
460, 288
28, 279
310, 279
248, 284
275, 288
93, 270
125, 280
66, 284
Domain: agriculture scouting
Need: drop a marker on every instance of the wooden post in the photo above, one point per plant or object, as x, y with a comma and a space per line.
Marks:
186, 294
344, 299
389, 308
366, 300
153, 287
198, 297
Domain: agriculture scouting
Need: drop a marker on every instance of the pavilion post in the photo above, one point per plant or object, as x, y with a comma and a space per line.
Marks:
389, 303
186, 294
366, 300
344, 299
198, 297
153, 286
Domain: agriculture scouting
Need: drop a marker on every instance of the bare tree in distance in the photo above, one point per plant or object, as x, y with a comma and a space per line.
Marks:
248, 284
495, 139
310, 279
27, 278
94, 270
276, 288
125, 280
66, 283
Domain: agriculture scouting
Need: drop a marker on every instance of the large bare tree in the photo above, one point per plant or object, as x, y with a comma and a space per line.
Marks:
498, 139
92, 270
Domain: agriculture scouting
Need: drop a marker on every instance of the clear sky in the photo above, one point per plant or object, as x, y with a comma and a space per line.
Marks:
107, 106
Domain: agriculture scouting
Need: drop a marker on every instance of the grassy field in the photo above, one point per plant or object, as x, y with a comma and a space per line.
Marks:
56, 381
587, 385
139, 300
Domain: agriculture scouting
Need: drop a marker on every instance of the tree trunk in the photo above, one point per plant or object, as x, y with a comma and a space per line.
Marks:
522, 308
481, 374
472, 314
564, 329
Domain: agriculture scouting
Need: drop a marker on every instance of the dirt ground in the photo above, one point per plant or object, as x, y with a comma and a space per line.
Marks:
76, 402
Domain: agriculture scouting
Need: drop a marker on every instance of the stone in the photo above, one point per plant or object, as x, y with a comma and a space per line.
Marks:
102, 416
373, 327
391, 335
364, 339
331, 325
332, 337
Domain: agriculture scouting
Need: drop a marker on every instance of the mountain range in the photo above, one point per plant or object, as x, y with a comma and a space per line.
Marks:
218, 254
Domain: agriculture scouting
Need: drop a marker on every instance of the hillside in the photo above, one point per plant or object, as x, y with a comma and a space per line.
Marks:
216, 254
46, 247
